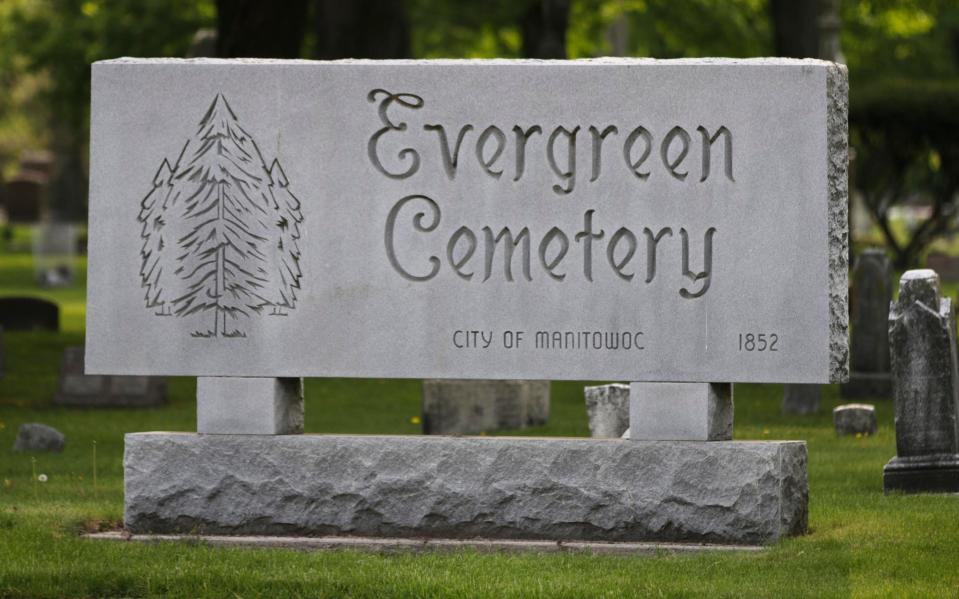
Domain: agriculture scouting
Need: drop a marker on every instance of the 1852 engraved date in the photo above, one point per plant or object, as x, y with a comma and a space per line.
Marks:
758, 342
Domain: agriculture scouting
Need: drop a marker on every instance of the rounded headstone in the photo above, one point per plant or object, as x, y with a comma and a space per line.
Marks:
855, 418
34, 436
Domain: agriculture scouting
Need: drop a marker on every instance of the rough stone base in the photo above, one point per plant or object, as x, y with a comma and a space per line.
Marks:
866, 385
927, 474
466, 487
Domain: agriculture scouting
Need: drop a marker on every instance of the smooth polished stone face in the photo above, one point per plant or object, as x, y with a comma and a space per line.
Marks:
613, 219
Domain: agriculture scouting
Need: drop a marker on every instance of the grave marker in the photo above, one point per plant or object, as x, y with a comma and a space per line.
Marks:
29, 314
80, 390
631, 220
872, 292
922, 330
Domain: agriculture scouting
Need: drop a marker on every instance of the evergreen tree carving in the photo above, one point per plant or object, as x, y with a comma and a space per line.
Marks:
220, 230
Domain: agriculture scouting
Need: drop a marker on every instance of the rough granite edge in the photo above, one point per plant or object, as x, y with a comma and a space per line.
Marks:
606, 60
837, 140
789, 474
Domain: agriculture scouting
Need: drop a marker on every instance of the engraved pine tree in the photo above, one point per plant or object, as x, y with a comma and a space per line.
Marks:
228, 230
153, 272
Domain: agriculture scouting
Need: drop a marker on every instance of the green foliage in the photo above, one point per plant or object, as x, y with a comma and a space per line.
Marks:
669, 29
61, 38
904, 133
900, 38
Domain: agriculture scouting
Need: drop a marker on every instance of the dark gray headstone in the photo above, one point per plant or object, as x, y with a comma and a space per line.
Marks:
801, 399
922, 331
29, 314
23, 200
871, 293
100, 391
465, 407
854, 419
34, 436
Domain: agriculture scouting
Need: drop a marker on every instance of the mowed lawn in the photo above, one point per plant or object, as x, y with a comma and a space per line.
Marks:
861, 543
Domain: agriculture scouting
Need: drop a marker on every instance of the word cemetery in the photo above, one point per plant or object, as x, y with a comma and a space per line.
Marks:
678, 225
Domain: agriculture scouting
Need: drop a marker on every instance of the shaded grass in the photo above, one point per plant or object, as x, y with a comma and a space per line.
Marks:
861, 543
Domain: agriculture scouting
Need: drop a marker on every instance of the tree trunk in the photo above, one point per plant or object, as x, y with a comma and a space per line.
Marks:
543, 27
361, 29
795, 28
67, 187
255, 28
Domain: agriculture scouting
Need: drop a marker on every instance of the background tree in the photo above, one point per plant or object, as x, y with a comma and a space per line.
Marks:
360, 29
795, 28
544, 27
253, 28
61, 38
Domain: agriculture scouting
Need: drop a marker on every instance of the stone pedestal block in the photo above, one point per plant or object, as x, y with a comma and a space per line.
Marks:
465, 487
607, 407
854, 419
922, 331
465, 407
681, 411
249, 406
801, 399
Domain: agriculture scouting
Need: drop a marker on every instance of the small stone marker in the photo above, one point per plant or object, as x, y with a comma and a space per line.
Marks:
29, 314
871, 293
607, 407
34, 436
922, 332
470, 220
680, 411
466, 407
801, 399
854, 419
81, 390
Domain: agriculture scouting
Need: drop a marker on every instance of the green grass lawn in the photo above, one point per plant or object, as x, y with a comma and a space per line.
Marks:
860, 543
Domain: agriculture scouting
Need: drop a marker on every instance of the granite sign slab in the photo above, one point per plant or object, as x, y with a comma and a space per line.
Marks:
610, 219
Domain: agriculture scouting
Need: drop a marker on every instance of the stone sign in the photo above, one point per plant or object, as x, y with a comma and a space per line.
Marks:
254, 222
611, 219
